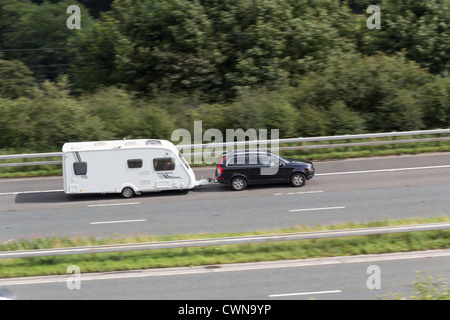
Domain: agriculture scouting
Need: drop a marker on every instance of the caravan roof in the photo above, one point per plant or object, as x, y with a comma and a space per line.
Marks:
118, 144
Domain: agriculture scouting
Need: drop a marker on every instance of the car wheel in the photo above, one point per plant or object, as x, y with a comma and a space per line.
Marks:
298, 179
127, 192
238, 183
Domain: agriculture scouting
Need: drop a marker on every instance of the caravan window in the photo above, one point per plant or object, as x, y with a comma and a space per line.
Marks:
80, 168
164, 164
134, 163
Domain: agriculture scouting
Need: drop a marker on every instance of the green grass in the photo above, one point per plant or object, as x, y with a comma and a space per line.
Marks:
426, 287
219, 254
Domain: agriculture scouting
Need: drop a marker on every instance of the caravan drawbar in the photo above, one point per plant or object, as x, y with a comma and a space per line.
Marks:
128, 167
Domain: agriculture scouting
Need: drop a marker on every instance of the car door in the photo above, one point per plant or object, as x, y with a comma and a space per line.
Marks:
253, 168
236, 165
273, 168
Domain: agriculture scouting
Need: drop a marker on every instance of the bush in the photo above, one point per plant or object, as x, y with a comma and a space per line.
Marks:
382, 89
435, 101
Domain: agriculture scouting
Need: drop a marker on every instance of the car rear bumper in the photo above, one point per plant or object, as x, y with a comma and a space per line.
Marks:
222, 180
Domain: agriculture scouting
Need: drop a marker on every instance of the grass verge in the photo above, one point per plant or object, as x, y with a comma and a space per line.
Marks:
302, 249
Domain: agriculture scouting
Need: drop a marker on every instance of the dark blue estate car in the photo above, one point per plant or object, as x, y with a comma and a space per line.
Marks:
241, 168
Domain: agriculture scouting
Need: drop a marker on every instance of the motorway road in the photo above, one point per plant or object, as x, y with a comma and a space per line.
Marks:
358, 190
344, 278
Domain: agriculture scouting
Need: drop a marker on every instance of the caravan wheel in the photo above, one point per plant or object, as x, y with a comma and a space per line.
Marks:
127, 192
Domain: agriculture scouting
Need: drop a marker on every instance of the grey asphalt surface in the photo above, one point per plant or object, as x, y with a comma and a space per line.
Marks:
34, 207
351, 190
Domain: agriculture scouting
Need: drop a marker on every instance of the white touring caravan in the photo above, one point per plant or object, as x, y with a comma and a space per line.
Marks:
129, 167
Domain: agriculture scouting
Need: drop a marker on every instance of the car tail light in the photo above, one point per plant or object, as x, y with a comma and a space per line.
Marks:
220, 165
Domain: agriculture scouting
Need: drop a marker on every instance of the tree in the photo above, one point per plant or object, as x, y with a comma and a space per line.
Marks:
341, 120
312, 121
154, 122
420, 27
318, 28
92, 56
96, 7
47, 120
360, 6
16, 79
169, 48
262, 109
435, 101
37, 35
210, 47
381, 88
117, 110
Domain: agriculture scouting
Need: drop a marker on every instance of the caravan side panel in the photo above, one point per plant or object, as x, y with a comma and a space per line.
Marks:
109, 171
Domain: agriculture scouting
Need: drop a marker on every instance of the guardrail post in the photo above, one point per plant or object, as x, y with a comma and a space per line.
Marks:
394, 146
301, 144
408, 240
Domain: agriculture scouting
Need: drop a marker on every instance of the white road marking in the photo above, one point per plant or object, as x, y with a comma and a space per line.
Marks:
306, 192
299, 192
112, 204
382, 170
118, 221
303, 293
316, 209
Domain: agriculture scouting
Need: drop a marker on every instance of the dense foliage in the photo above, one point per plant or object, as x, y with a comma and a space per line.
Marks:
142, 68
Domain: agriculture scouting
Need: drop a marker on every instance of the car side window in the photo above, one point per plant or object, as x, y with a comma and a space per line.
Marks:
252, 159
243, 160
268, 159
236, 160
